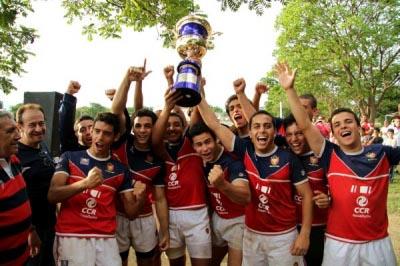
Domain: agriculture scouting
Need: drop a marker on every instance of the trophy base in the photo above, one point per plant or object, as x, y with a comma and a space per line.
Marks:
190, 97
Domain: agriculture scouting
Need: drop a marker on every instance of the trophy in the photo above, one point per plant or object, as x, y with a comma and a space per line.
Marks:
191, 44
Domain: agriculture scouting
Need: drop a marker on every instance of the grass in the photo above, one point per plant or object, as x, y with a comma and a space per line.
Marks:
394, 214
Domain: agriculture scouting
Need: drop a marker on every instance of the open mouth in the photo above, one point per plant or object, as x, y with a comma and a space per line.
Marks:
99, 145
345, 134
262, 140
237, 117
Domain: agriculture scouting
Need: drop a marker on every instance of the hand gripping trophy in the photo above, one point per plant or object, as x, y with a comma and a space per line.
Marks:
191, 44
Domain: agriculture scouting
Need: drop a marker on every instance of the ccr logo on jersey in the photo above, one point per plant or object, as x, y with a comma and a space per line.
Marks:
361, 210
173, 182
89, 211
263, 204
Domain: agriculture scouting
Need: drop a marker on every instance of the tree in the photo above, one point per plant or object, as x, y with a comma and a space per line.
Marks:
347, 52
14, 39
93, 109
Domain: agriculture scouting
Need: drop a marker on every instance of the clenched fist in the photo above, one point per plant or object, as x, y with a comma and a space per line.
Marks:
239, 85
73, 87
139, 190
216, 176
94, 178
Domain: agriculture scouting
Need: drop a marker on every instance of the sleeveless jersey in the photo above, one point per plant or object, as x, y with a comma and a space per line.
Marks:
92, 212
184, 179
233, 170
359, 186
271, 177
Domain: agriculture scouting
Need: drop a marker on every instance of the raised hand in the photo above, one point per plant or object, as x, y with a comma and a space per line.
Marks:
285, 75
261, 88
169, 72
110, 93
137, 73
239, 85
171, 97
216, 176
73, 87
94, 178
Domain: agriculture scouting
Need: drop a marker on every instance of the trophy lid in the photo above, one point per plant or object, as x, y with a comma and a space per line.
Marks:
187, 25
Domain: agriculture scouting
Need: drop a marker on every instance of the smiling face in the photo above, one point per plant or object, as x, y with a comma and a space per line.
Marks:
32, 127
142, 129
236, 114
346, 131
262, 133
206, 146
174, 129
296, 140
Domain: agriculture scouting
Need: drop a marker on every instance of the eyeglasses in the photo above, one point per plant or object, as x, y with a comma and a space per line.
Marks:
47, 160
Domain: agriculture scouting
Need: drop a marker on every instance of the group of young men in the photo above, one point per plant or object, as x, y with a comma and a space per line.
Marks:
269, 192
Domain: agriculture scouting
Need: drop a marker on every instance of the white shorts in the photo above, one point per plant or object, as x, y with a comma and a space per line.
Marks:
190, 228
227, 231
377, 252
140, 233
272, 250
74, 251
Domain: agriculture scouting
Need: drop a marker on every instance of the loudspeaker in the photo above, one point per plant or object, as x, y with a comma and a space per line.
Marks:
50, 102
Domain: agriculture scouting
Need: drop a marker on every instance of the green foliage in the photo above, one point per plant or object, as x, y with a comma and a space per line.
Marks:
276, 96
257, 6
347, 52
93, 109
106, 18
14, 108
14, 39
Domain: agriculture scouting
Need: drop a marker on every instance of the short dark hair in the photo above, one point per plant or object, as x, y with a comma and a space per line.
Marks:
390, 130
110, 119
262, 112
80, 119
177, 115
344, 110
288, 121
228, 101
144, 112
200, 128
311, 98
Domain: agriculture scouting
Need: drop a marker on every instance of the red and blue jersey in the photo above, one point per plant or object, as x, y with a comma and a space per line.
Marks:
184, 178
317, 180
144, 166
272, 209
15, 215
92, 212
233, 170
358, 184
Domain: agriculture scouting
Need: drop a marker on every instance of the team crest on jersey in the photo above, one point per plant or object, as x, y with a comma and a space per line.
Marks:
84, 161
110, 168
371, 156
314, 160
149, 158
274, 161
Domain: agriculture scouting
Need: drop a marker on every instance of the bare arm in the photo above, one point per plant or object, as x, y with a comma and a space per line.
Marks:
259, 90
160, 126
223, 133
238, 191
302, 242
60, 191
248, 109
163, 217
314, 137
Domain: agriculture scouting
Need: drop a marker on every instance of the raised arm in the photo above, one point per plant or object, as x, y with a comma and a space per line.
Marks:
259, 90
248, 109
223, 133
138, 97
286, 78
68, 139
157, 138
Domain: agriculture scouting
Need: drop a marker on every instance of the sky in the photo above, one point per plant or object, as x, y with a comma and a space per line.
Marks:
62, 54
